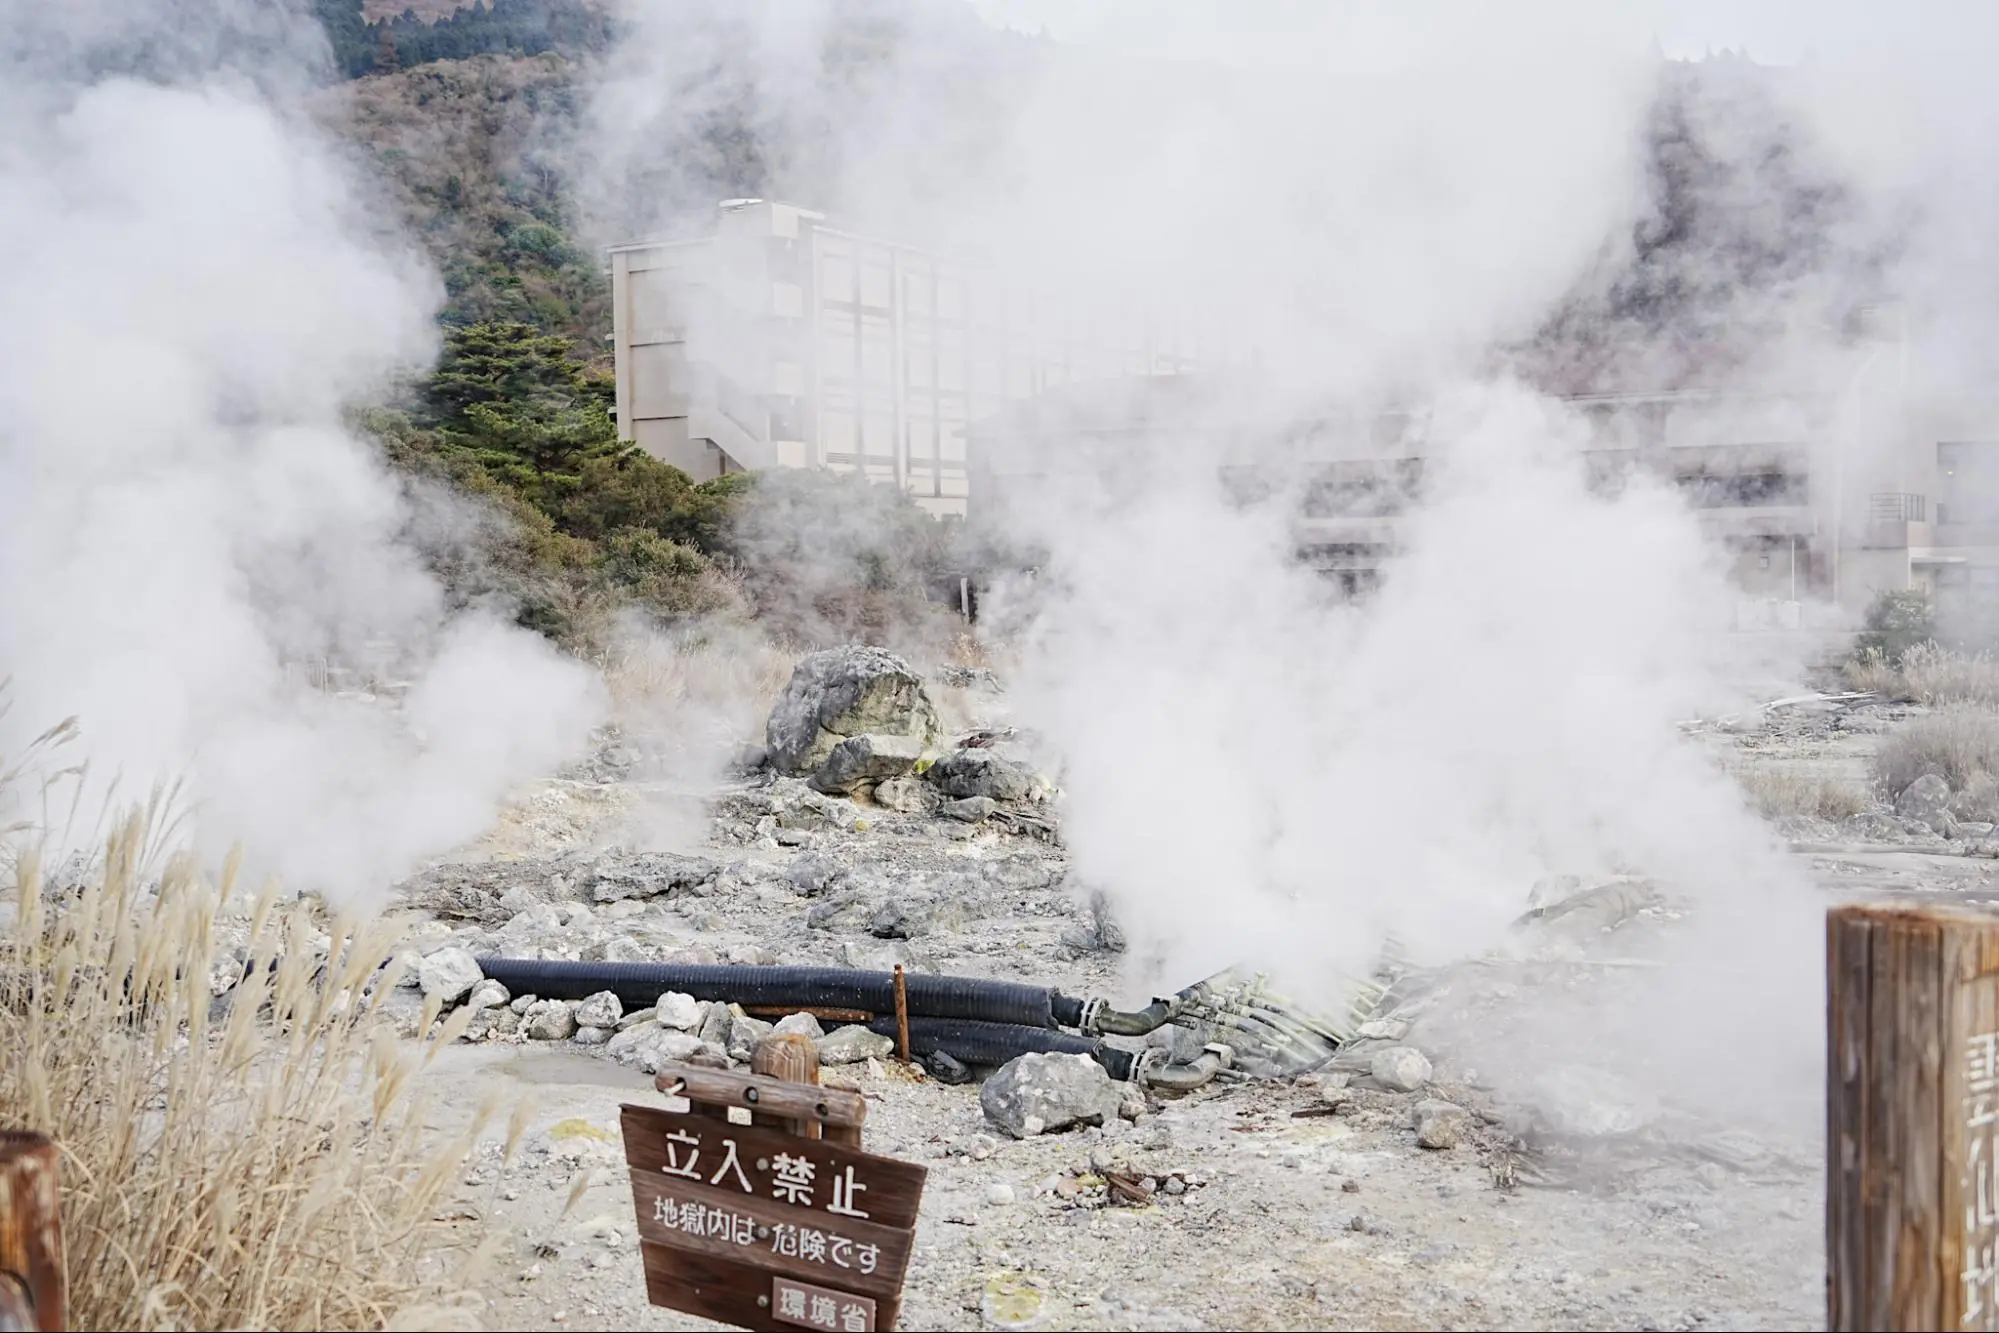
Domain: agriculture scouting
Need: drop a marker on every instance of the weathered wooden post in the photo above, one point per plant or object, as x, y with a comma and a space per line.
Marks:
33, 1285
1912, 1118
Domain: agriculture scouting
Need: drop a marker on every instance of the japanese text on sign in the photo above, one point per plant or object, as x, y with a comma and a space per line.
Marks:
790, 1179
807, 1243
1981, 1181
815, 1307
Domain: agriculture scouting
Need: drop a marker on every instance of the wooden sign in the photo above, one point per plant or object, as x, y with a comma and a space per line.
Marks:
758, 1225
1912, 1110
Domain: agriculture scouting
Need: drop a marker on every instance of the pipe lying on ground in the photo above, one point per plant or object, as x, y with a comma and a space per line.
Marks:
972, 1021
639, 986
971, 1042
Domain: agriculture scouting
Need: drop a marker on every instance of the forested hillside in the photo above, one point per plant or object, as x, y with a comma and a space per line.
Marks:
445, 31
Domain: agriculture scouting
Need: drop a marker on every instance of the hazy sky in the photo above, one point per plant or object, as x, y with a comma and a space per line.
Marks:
1378, 35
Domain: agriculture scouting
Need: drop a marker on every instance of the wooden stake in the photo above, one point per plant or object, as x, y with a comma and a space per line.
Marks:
31, 1229
901, 1015
794, 1059
1912, 1118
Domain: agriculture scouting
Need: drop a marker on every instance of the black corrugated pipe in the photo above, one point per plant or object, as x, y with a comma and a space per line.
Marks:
639, 985
974, 1043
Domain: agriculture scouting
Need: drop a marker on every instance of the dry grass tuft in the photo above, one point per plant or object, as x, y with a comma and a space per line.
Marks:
1929, 674
1959, 743
1780, 792
258, 1164
717, 669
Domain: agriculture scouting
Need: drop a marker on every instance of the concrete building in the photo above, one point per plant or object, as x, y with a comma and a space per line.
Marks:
1822, 494
778, 340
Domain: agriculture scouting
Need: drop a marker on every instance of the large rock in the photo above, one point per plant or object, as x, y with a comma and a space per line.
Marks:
1400, 1068
1440, 1124
601, 1010
1927, 799
863, 760
449, 974
647, 875
678, 1011
852, 1044
844, 692
1040, 1094
649, 1046
551, 1020
980, 772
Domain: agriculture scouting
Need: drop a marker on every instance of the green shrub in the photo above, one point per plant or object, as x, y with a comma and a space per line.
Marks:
1897, 620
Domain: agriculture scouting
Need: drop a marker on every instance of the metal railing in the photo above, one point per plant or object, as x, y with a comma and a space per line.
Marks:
1897, 507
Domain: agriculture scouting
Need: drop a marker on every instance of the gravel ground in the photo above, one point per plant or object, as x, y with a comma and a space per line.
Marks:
1297, 1203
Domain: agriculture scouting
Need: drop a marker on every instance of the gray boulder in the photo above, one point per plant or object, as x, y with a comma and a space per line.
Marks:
744, 1034
980, 772
801, 1025
972, 809
1400, 1068
1440, 1124
601, 1010
861, 761
1040, 1094
550, 1020
842, 692
449, 974
649, 1046
488, 995
852, 1044
678, 1011
1927, 799
648, 875
905, 795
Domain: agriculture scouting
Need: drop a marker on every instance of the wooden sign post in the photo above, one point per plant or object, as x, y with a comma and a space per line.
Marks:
33, 1290
778, 1223
1912, 1118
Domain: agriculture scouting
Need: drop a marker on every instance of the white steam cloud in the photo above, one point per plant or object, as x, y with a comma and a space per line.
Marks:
192, 294
1381, 199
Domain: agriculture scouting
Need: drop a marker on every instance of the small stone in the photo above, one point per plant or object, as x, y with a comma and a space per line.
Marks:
1400, 1068
488, 994
744, 1033
449, 974
852, 1044
979, 1148
551, 1020
601, 1010
1174, 1185
636, 1017
971, 809
999, 1195
520, 1004
1383, 1030
715, 1023
1440, 1124
1350, 1185
802, 1025
591, 1036
906, 795
678, 1011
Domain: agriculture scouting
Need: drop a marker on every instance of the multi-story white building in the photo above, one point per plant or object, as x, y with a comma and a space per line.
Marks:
1825, 492
780, 341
